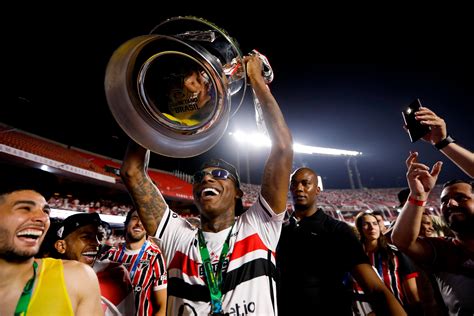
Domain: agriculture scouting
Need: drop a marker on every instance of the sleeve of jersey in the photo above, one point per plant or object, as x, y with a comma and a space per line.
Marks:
159, 271
265, 221
172, 231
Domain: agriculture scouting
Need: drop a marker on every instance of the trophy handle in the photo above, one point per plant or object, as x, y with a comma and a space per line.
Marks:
267, 73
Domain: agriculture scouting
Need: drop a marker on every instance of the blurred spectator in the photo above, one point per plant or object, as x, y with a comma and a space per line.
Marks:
380, 220
440, 227
426, 228
394, 268
146, 265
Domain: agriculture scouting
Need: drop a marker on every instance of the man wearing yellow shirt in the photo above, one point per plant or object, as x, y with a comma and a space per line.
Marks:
38, 286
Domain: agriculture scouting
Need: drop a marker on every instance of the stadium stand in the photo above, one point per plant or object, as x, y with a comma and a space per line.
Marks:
176, 186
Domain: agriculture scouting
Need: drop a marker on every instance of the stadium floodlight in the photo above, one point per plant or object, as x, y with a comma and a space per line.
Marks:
45, 168
261, 140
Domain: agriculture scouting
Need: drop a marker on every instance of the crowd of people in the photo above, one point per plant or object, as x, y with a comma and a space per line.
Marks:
104, 206
260, 261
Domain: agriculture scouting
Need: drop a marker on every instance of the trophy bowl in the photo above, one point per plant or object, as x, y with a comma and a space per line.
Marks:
171, 90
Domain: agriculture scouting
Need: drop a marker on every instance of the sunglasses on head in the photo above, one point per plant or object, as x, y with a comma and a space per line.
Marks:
218, 174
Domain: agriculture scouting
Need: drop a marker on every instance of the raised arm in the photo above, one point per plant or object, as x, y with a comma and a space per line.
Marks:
405, 232
462, 157
381, 299
277, 170
147, 198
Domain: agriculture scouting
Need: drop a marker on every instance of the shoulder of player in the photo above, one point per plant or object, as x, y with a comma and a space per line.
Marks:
153, 247
77, 269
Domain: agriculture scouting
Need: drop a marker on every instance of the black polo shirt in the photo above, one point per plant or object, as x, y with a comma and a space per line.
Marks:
314, 256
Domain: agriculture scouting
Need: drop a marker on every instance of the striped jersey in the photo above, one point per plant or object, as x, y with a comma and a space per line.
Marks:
248, 271
392, 273
149, 273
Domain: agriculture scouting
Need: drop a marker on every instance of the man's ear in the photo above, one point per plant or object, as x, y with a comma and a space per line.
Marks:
318, 190
60, 246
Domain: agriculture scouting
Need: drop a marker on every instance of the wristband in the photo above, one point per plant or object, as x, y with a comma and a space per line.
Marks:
416, 202
445, 142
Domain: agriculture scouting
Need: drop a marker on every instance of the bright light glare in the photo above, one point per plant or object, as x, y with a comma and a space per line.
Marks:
45, 168
253, 139
260, 140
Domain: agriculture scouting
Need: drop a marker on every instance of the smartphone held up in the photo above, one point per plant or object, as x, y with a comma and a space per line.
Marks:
415, 129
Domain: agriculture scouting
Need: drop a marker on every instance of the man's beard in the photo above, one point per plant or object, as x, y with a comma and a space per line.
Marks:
8, 252
12, 255
135, 237
462, 227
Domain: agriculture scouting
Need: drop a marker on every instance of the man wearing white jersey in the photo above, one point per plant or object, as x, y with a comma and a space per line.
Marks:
227, 265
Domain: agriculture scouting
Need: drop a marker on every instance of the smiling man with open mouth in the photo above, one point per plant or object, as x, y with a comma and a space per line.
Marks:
77, 239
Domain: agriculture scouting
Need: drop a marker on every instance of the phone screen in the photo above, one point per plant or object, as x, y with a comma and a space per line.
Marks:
415, 129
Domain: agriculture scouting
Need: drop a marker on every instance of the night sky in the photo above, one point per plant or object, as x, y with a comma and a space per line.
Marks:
342, 78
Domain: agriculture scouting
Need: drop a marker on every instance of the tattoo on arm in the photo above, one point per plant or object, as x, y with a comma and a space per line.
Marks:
149, 202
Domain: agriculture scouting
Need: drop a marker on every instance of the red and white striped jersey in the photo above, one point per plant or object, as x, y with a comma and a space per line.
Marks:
249, 270
149, 275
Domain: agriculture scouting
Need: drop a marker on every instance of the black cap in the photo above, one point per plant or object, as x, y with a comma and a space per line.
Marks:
220, 163
76, 221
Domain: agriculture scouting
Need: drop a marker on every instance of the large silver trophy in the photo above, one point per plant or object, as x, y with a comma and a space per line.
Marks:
171, 90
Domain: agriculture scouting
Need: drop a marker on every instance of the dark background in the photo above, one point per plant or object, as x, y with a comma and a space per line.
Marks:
342, 77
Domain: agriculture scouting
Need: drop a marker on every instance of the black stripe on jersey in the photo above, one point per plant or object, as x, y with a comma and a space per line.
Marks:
248, 271
146, 307
256, 268
165, 224
263, 206
193, 292
161, 262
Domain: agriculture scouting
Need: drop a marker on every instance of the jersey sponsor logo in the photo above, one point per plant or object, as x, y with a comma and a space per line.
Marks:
242, 309
245, 308
225, 264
